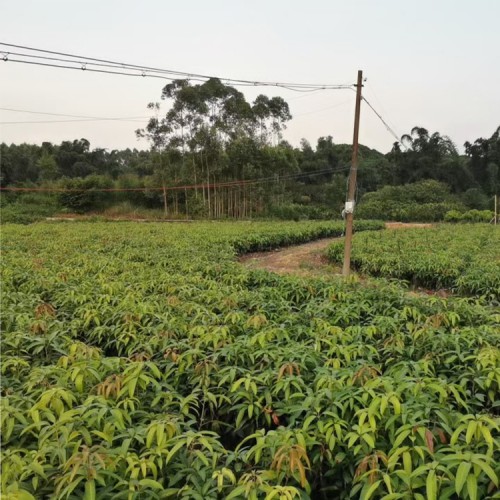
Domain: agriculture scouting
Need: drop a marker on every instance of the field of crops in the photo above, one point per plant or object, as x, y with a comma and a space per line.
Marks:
143, 362
465, 259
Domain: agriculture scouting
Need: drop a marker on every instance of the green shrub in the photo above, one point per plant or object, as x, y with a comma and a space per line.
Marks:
141, 361
425, 201
25, 208
469, 216
296, 211
406, 212
82, 194
464, 259
477, 216
453, 216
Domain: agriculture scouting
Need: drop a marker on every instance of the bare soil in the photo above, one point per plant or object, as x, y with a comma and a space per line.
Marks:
307, 259
302, 260
399, 225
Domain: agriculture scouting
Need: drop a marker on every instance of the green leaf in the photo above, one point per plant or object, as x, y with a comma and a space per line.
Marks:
79, 382
24, 495
431, 485
150, 436
240, 490
38, 469
131, 386
461, 477
401, 437
90, 490
369, 440
367, 493
487, 435
472, 486
308, 421
395, 404
240, 417
407, 462
151, 483
174, 450
488, 470
471, 429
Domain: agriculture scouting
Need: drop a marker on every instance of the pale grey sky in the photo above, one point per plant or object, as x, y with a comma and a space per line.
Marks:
432, 63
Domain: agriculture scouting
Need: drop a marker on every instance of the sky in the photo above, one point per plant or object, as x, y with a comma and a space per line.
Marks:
434, 63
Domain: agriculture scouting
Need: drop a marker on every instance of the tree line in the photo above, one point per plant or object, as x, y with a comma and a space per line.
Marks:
212, 138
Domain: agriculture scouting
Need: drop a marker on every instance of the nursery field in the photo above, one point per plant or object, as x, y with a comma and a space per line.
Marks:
462, 258
141, 361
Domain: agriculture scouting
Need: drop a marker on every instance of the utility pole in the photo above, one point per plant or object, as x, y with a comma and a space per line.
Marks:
349, 206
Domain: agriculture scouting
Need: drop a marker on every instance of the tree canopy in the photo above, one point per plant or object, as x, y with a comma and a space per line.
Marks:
234, 154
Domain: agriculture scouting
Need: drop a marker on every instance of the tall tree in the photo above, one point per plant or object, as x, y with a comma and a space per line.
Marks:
157, 133
484, 157
430, 156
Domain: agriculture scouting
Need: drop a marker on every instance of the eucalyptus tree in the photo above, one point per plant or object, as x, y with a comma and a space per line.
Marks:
204, 118
158, 132
202, 122
280, 114
271, 115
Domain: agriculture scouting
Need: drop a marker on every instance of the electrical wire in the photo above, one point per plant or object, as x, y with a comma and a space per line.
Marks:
83, 62
71, 116
387, 126
309, 92
380, 105
91, 70
322, 109
75, 120
143, 74
122, 68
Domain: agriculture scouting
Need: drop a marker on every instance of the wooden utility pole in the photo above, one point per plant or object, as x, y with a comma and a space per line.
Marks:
349, 206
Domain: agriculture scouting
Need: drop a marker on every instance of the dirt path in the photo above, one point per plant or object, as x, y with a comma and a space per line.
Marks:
399, 225
304, 260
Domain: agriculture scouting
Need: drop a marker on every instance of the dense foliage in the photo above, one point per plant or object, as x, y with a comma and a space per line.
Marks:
465, 259
141, 362
211, 137
470, 216
423, 201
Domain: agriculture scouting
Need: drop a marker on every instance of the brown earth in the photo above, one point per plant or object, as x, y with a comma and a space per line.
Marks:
399, 225
304, 260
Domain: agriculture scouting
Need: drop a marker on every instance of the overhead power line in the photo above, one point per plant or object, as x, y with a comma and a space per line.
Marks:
65, 60
48, 58
30, 112
91, 70
135, 120
387, 126
322, 109
80, 118
74, 118
380, 105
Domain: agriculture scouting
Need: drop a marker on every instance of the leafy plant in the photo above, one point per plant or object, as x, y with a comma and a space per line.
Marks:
142, 361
